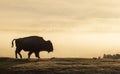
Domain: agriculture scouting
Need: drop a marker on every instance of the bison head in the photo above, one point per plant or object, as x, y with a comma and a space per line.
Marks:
49, 46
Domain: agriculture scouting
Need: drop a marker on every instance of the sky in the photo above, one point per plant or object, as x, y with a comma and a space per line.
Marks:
79, 28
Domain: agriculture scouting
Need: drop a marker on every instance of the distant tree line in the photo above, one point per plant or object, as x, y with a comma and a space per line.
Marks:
109, 56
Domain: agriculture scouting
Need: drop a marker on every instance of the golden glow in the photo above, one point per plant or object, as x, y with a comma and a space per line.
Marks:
77, 28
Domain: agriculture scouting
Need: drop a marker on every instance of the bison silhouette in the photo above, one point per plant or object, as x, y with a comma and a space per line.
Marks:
32, 44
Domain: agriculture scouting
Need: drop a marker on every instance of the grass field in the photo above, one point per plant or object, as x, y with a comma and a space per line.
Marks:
59, 66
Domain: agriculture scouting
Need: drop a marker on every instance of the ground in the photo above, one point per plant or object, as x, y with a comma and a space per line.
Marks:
59, 66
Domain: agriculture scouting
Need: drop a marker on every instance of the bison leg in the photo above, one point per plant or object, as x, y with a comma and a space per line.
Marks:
18, 51
16, 54
20, 55
37, 55
29, 54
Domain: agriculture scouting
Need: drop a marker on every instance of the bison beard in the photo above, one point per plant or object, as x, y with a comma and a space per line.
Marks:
32, 44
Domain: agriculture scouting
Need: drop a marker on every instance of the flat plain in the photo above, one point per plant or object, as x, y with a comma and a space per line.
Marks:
59, 66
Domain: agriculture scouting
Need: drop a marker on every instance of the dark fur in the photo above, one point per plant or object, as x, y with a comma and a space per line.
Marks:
32, 44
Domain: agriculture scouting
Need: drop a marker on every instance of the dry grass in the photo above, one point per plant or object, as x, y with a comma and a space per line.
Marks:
59, 66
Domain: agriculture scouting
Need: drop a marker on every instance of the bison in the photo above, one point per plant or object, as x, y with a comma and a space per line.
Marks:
32, 44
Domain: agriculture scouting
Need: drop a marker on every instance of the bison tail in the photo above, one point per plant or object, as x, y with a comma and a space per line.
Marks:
13, 43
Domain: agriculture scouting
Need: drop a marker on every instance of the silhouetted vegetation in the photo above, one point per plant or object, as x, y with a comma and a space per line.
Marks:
110, 56
95, 58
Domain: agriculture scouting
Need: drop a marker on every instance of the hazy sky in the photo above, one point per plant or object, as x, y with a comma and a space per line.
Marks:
90, 26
